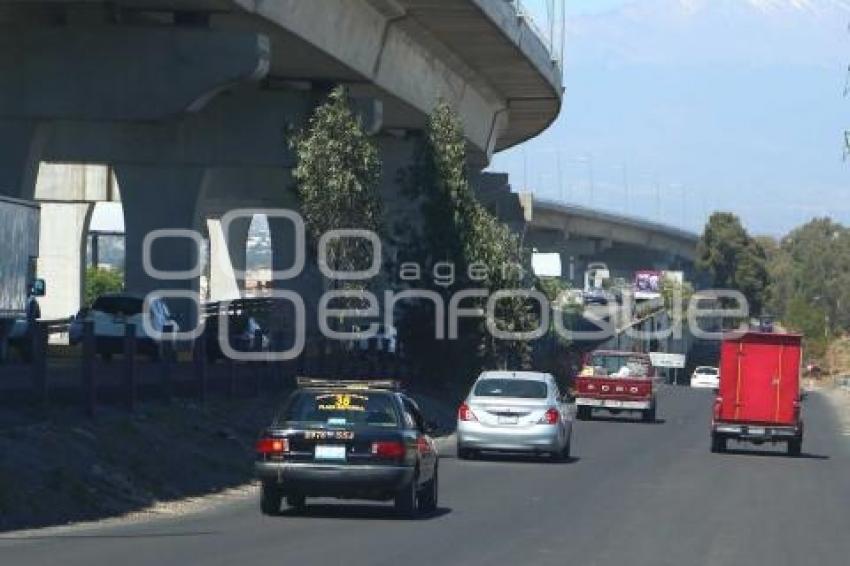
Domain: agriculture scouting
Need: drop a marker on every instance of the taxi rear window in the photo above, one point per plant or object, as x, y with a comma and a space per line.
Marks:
341, 408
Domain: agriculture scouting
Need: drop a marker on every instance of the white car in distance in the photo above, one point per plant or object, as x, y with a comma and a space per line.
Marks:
705, 377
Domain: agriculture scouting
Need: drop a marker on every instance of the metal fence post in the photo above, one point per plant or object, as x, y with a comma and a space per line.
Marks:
87, 370
260, 366
200, 366
39, 362
166, 360
231, 376
130, 365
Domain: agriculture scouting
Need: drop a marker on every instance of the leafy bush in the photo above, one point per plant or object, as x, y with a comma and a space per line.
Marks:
100, 280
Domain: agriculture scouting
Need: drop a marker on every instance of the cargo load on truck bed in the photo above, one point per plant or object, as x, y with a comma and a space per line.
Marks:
759, 396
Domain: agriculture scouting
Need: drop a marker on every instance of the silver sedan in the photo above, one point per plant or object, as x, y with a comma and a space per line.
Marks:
514, 411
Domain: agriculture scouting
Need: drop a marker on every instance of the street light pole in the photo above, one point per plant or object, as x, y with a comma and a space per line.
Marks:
560, 176
626, 186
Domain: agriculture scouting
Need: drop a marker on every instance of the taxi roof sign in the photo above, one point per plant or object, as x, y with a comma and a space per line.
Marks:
326, 383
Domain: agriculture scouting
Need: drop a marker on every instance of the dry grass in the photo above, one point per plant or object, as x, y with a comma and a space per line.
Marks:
837, 359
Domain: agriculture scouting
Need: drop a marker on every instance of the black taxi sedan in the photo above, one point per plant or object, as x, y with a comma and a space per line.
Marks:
348, 440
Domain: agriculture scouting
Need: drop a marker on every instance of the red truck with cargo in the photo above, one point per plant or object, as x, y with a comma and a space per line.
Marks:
759, 395
616, 381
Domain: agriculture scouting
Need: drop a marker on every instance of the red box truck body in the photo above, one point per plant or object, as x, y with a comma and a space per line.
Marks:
759, 395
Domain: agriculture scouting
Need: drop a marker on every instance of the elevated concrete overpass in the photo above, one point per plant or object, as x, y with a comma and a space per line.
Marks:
189, 101
583, 235
625, 243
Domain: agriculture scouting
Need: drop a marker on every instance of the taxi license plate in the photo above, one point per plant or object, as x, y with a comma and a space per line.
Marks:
329, 452
615, 404
508, 419
756, 430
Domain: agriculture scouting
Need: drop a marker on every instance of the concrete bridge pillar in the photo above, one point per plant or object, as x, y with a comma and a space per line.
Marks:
228, 258
62, 256
21, 142
308, 283
401, 210
160, 197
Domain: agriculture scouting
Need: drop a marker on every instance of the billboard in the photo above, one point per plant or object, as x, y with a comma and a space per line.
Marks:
667, 360
647, 284
546, 264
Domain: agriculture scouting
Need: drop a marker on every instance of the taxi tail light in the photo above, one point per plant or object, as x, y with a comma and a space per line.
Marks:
267, 445
464, 413
551, 417
393, 450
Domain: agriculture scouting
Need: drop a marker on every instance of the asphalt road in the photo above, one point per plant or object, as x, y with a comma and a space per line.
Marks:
635, 494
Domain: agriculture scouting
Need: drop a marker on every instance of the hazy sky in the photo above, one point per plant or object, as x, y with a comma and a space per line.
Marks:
676, 108
578, 6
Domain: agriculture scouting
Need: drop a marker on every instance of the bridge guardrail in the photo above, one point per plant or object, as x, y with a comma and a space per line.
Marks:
553, 39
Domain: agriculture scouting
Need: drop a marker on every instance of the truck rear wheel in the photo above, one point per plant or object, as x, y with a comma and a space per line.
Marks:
583, 413
649, 415
795, 447
718, 443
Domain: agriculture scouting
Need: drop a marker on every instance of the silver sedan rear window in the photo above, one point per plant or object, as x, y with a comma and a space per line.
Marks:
522, 388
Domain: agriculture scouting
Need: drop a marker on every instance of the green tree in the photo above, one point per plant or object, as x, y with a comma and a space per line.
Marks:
812, 264
100, 280
337, 174
810, 320
731, 259
676, 296
458, 230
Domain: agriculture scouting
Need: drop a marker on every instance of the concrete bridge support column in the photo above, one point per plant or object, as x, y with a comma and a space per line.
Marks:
309, 284
163, 198
237, 249
21, 142
228, 254
402, 215
62, 256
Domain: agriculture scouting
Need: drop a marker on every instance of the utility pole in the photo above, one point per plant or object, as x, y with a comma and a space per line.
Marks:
626, 187
560, 175
657, 200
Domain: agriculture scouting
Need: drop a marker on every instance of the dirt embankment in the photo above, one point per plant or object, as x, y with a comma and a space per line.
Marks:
58, 466
61, 467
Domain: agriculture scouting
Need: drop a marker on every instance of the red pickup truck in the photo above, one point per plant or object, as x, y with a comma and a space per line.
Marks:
759, 395
616, 381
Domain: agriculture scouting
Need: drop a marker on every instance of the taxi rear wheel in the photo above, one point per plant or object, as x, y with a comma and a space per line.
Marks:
429, 495
297, 502
270, 499
405, 500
